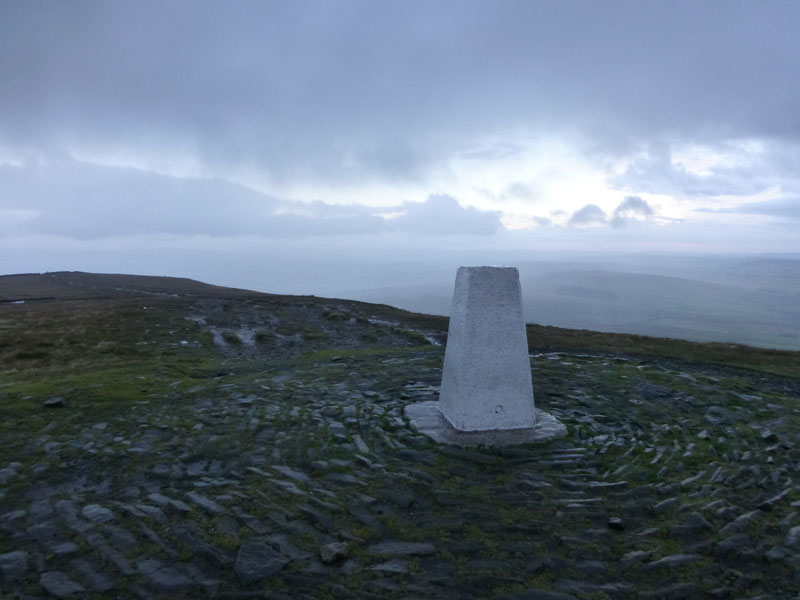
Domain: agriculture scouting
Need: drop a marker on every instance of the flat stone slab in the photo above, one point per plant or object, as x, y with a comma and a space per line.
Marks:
427, 418
257, 560
401, 549
58, 584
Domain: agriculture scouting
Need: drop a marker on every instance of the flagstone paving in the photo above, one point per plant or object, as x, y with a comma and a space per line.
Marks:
304, 480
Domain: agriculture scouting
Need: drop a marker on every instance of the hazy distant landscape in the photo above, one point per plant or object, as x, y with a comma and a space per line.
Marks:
749, 300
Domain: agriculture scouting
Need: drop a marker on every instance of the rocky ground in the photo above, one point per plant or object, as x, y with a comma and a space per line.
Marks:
298, 476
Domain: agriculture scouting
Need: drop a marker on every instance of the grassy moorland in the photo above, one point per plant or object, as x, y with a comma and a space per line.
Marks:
161, 437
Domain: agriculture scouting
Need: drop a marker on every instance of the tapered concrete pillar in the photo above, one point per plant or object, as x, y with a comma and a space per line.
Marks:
486, 381
486, 397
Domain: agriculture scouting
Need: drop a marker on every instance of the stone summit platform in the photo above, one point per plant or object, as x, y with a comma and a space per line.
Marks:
486, 393
427, 418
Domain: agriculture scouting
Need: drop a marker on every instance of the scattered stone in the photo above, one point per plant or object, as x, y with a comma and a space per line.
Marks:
775, 553
257, 560
676, 591
56, 402
793, 538
45, 533
287, 548
58, 584
64, 548
616, 523
291, 473
768, 504
666, 506
189, 536
589, 498
152, 512
672, 561
178, 506
734, 544
334, 552
164, 578
635, 557
316, 516
100, 582
652, 391
741, 522
537, 594
97, 513
695, 525
67, 511
288, 486
7, 474
108, 553
693, 479
14, 565
206, 504
716, 415
401, 549
590, 589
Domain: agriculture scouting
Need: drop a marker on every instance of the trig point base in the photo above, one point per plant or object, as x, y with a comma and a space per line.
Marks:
486, 396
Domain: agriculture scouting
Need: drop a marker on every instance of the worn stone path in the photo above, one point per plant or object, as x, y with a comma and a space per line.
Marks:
678, 482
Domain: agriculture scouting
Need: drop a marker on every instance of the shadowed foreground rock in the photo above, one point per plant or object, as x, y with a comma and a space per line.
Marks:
182, 470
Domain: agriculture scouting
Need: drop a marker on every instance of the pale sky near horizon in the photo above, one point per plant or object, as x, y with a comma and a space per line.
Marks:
128, 127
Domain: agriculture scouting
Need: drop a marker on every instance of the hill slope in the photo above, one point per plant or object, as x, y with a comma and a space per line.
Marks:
165, 438
753, 303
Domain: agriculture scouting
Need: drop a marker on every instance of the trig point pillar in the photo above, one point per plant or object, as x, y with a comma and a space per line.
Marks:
486, 381
486, 397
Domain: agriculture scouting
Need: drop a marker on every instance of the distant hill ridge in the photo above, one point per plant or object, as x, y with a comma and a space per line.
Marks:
77, 285
61, 285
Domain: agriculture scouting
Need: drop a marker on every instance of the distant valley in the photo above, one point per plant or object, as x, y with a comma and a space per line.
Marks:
747, 301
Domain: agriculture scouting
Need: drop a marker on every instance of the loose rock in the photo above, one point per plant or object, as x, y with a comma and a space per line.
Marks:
331, 553
14, 565
257, 560
58, 584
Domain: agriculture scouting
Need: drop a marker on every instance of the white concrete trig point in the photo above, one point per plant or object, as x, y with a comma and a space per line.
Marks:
486, 397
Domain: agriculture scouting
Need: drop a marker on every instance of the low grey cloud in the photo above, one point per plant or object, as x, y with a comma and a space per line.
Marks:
86, 201
360, 90
632, 208
779, 207
441, 214
519, 190
589, 215
656, 173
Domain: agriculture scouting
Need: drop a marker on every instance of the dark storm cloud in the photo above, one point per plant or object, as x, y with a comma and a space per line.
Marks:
86, 201
357, 90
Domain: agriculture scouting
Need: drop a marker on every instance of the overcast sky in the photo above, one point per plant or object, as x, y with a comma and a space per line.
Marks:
132, 126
